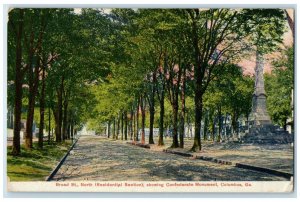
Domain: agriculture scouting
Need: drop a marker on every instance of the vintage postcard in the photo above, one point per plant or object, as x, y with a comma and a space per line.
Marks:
150, 100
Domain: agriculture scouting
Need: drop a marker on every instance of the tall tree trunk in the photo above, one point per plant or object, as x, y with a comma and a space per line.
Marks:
49, 125
143, 119
182, 114
189, 124
137, 121
16, 149
225, 127
108, 128
236, 127
69, 124
56, 124
31, 95
161, 119
114, 128
152, 112
72, 130
220, 123
118, 126
175, 107
33, 87
211, 124
122, 125
152, 108
69, 131
205, 128
132, 125
33, 79
214, 129
126, 124
42, 109
65, 119
58, 112
175, 143
198, 117
173, 92
199, 72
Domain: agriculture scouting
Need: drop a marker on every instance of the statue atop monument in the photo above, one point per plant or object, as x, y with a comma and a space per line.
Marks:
259, 114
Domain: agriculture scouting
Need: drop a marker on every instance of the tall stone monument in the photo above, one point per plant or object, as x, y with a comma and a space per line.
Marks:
261, 130
259, 114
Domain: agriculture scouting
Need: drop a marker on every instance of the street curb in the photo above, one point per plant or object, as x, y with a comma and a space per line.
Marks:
219, 161
54, 171
238, 165
147, 146
265, 170
178, 153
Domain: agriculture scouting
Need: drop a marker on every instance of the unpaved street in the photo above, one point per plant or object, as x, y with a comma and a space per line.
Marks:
101, 159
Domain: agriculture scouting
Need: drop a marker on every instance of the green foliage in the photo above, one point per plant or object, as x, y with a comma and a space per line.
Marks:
103, 60
279, 87
266, 28
230, 90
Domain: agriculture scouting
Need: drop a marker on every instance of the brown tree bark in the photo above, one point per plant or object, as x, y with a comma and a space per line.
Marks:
143, 109
122, 125
219, 123
137, 121
234, 124
108, 129
134, 125
131, 124
69, 131
42, 107
126, 125
205, 128
65, 118
198, 117
58, 112
114, 128
33, 87
152, 108
173, 91
72, 130
33, 79
161, 97
49, 125
182, 114
16, 149
118, 126
175, 143
198, 76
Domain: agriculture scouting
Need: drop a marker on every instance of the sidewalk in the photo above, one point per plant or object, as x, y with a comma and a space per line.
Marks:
276, 157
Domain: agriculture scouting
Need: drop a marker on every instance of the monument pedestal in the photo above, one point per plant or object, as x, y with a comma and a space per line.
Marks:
267, 134
261, 130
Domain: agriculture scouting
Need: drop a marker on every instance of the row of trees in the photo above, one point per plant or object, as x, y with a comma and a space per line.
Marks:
175, 54
118, 67
53, 54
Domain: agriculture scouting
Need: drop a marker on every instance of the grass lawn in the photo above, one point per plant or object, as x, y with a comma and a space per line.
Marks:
35, 165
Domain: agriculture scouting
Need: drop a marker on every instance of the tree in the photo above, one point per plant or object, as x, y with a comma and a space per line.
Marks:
279, 86
16, 22
213, 33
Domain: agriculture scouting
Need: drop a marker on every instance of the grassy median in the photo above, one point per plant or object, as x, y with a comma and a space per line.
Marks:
35, 164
